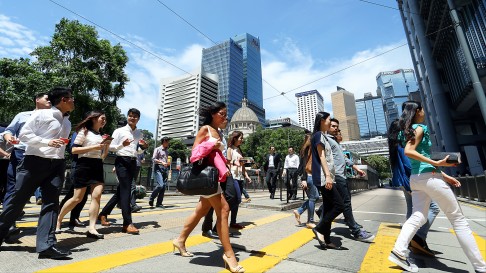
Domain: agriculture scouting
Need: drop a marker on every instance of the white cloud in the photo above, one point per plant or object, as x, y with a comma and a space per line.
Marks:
291, 68
16, 40
146, 72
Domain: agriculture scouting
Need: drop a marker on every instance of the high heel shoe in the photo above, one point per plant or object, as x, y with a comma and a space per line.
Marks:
237, 269
182, 251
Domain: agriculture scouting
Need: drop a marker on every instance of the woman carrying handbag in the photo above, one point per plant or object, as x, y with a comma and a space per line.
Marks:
215, 117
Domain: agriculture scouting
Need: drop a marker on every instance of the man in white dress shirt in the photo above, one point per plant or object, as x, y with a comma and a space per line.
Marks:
124, 143
291, 165
45, 133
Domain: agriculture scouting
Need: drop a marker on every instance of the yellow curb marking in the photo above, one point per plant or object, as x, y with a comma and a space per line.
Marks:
110, 261
124, 257
479, 240
376, 258
276, 252
112, 216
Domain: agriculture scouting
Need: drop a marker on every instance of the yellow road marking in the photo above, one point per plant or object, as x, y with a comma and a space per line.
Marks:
124, 257
479, 240
115, 216
376, 259
110, 261
473, 206
276, 252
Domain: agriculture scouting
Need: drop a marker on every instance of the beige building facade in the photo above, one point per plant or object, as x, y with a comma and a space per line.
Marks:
344, 110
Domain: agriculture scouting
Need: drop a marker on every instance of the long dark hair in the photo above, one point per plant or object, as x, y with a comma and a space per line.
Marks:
393, 141
234, 137
317, 120
207, 112
409, 109
87, 122
304, 151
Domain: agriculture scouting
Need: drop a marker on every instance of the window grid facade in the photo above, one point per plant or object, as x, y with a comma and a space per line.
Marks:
308, 104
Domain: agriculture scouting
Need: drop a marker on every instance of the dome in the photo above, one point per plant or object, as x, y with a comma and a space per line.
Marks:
244, 114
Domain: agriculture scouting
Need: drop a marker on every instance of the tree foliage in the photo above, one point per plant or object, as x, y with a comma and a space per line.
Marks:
258, 144
76, 58
177, 149
381, 164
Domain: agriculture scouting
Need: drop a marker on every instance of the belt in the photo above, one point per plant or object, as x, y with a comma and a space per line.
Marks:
128, 157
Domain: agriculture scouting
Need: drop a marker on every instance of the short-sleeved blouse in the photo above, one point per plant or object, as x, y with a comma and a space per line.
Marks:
89, 139
423, 148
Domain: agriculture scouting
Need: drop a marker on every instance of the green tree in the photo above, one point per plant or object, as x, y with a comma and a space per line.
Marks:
381, 164
177, 149
149, 138
76, 58
257, 144
19, 83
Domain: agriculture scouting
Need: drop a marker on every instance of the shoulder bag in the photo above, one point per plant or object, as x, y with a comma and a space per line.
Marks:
198, 178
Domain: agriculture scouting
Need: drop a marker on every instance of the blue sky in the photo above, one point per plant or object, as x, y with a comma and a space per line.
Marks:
301, 41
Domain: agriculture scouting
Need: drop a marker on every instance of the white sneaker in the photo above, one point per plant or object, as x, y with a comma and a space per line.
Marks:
403, 262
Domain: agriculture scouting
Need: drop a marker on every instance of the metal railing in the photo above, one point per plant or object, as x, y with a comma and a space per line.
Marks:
472, 188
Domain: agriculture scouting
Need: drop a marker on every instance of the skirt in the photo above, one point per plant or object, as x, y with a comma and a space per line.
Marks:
88, 171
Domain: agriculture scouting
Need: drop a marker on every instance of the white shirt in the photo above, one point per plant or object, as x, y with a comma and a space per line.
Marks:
291, 161
270, 161
89, 139
41, 127
120, 135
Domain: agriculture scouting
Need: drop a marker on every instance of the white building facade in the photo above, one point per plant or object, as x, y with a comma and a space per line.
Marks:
308, 104
179, 103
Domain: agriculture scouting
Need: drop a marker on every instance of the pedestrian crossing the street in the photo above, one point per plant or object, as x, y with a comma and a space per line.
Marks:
270, 242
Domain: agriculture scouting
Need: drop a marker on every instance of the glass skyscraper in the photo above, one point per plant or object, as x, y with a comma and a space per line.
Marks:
394, 87
226, 60
252, 73
371, 117
237, 62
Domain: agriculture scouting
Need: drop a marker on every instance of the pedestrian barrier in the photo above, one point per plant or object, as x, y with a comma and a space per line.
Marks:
472, 188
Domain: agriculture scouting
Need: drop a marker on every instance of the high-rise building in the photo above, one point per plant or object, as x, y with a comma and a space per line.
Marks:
371, 116
395, 86
452, 107
180, 101
344, 110
237, 63
226, 60
308, 104
252, 73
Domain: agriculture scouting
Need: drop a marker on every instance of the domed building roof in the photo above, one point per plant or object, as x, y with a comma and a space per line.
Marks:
244, 120
244, 113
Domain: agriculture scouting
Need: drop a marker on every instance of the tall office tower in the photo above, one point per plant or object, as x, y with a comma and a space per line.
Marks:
180, 101
344, 110
395, 86
226, 61
252, 73
371, 116
455, 116
308, 104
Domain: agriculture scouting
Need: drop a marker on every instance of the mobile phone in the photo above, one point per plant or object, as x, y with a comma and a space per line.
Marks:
106, 140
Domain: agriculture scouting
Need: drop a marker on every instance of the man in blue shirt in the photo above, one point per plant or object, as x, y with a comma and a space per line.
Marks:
11, 135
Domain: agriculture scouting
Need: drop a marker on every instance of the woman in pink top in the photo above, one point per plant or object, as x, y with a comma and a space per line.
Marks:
215, 117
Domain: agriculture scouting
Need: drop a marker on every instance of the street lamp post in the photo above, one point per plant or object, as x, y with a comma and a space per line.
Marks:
285, 124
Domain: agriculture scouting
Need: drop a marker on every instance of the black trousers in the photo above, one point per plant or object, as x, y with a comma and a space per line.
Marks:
291, 183
125, 170
332, 207
229, 192
76, 212
3, 177
271, 178
33, 172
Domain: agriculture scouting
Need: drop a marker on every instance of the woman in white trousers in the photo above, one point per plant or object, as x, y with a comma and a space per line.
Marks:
428, 183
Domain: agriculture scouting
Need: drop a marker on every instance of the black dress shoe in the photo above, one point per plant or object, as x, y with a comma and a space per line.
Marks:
94, 236
54, 253
13, 230
210, 234
76, 223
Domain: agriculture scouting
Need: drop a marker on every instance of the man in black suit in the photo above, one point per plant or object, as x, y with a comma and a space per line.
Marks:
272, 167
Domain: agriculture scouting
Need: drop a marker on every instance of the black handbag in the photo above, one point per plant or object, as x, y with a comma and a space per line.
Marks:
454, 157
198, 178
